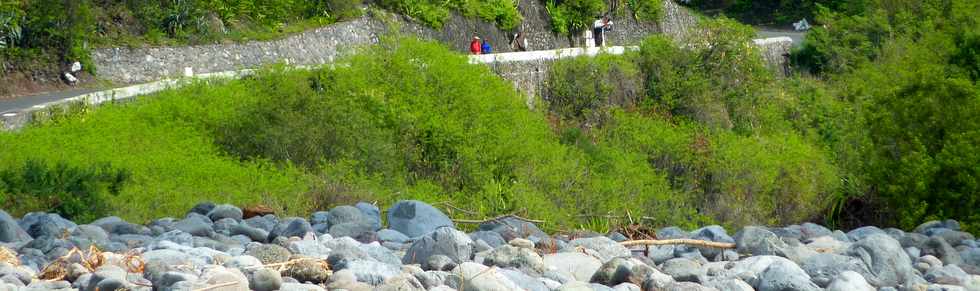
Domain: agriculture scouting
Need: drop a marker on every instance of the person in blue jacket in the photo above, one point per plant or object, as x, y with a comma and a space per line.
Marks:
486, 47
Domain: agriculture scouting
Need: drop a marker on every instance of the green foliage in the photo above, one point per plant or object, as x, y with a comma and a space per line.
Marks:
719, 80
731, 149
768, 12
80, 194
901, 120
573, 16
436, 12
580, 88
165, 143
647, 10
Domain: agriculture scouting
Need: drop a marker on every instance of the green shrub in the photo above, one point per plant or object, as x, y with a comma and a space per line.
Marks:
584, 88
81, 194
435, 12
647, 10
574, 16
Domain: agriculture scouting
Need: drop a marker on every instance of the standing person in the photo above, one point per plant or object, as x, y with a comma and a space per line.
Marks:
486, 47
519, 43
475, 47
599, 29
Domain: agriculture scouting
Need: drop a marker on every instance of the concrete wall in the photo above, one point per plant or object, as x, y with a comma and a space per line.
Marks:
140, 65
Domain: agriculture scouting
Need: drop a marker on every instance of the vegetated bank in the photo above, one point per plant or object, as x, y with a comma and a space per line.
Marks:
409, 119
684, 135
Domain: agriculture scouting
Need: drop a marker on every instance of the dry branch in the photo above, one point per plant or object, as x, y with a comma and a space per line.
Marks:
692, 242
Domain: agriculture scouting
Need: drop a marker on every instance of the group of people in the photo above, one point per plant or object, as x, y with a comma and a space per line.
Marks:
482, 46
596, 37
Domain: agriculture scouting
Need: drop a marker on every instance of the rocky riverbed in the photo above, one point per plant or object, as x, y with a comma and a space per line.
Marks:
220, 247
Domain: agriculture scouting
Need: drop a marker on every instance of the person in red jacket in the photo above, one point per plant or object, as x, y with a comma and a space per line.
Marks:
475, 46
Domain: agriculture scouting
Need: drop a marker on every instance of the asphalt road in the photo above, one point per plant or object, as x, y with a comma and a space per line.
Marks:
16, 104
796, 36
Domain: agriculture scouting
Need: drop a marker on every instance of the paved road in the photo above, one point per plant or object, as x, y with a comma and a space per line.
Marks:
797, 36
15, 104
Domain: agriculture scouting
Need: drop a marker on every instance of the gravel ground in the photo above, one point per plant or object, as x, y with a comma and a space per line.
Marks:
217, 247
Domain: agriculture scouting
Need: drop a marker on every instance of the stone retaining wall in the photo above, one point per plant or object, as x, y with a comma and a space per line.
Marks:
140, 65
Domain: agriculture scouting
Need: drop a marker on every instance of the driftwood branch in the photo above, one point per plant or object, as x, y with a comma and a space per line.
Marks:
615, 216
692, 242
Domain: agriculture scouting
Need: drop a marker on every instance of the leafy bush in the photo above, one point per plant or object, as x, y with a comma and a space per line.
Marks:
582, 88
574, 16
435, 12
76, 193
646, 10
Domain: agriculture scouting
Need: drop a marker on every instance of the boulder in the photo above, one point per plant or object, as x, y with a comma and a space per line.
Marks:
824, 268
265, 279
508, 256
372, 272
605, 248
579, 265
415, 218
475, 277
758, 241
524, 281
390, 235
729, 284
784, 275
10, 231
713, 233
371, 212
493, 239
684, 270
290, 227
514, 226
884, 258
849, 281
46, 224
622, 270
444, 241
223, 211
939, 248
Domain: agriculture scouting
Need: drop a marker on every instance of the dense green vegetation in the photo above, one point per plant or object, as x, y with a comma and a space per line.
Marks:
435, 12
574, 16
769, 12
77, 193
905, 71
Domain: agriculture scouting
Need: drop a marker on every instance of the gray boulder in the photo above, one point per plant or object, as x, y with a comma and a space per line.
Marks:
937, 246
415, 218
605, 248
523, 281
195, 226
46, 224
729, 284
884, 258
490, 237
784, 275
444, 241
372, 272
290, 227
863, 232
684, 270
713, 233
265, 279
850, 281
475, 277
824, 268
439, 263
508, 256
579, 265
390, 235
622, 270
758, 241
223, 211
512, 227
371, 212
10, 231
